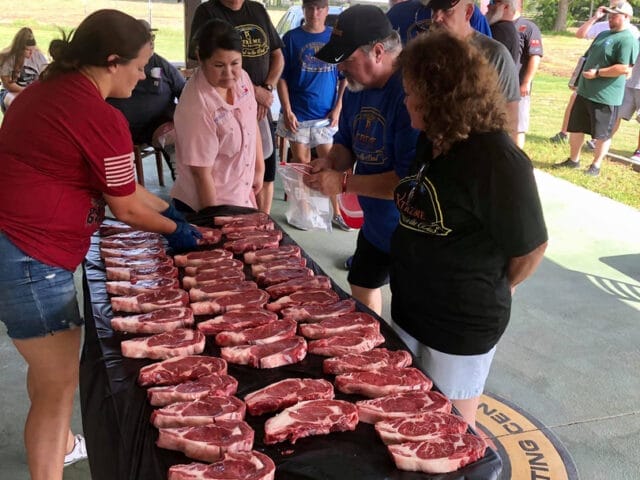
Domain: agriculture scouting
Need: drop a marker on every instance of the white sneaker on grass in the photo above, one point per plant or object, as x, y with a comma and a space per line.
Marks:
78, 453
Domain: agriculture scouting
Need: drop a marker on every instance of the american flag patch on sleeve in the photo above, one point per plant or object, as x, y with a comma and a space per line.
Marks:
119, 170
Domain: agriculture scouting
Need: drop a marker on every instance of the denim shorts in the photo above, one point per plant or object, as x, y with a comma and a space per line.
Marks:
459, 377
35, 299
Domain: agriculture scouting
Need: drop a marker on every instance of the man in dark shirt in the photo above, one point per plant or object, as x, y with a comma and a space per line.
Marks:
500, 17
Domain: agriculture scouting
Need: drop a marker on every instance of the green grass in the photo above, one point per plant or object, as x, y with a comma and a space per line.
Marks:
550, 93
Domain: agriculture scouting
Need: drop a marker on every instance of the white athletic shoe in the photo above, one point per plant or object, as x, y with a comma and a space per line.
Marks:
78, 453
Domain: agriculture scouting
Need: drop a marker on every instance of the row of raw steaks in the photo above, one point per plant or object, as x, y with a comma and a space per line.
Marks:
274, 319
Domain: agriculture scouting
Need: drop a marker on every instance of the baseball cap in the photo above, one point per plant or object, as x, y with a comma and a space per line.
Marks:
355, 27
620, 7
441, 4
319, 3
147, 25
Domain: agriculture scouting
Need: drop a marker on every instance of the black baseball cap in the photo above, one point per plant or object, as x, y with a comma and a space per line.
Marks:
355, 27
442, 4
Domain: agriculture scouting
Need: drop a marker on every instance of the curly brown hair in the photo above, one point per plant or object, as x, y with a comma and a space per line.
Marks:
457, 89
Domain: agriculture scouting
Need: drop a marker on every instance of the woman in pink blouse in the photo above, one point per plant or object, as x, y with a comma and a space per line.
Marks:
218, 147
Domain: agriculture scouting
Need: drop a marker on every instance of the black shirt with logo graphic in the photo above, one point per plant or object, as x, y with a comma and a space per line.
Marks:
474, 208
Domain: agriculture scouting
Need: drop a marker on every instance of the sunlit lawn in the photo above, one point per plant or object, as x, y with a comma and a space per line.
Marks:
617, 181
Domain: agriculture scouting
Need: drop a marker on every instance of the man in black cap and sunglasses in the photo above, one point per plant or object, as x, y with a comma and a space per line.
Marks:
374, 136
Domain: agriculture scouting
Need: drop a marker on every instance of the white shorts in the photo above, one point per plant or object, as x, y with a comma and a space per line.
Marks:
308, 133
459, 377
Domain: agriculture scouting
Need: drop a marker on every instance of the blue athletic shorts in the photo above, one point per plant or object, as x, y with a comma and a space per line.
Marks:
459, 377
35, 299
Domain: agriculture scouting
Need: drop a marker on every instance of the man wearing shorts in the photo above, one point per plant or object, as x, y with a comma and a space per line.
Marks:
631, 104
601, 88
374, 134
310, 91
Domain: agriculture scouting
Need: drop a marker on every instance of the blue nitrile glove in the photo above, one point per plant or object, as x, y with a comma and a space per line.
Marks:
174, 214
184, 238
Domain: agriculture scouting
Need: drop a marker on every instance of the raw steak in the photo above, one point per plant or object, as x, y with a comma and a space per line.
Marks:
244, 225
385, 381
278, 264
237, 301
282, 275
247, 234
180, 342
210, 236
134, 253
144, 262
214, 290
159, 321
271, 254
203, 267
443, 454
199, 412
420, 427
315, 313
180, 369
203, 256
252, 243
233, 466
116, 228
213, 276
268, 333
339, 325
287, 392
236, 320
270, 355
134, 242
311, 417
354, 341
209, 385
402, 405
304, 297
148, 302
257, 218
208, 442
143, 286
135, 274
133, 234
296, 284
366, 361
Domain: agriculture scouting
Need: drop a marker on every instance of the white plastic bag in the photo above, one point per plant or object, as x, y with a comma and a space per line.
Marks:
307, 209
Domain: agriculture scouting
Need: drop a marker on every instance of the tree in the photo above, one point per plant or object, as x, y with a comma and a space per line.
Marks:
560, 23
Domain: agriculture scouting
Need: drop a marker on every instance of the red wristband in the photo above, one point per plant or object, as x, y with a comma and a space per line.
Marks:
344, 181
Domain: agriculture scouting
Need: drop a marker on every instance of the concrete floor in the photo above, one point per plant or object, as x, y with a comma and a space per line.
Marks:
570, 357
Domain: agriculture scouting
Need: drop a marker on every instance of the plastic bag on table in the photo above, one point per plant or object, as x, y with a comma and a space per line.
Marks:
307, 209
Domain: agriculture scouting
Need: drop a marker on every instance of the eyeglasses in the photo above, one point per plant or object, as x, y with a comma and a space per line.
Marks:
420, 177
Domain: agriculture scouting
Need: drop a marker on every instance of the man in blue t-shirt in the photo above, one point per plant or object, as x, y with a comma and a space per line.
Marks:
374, 135
310, 91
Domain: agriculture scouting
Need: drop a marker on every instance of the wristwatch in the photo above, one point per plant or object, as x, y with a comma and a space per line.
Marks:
268, 87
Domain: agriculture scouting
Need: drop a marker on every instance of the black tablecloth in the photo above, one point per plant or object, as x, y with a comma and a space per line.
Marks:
121, 440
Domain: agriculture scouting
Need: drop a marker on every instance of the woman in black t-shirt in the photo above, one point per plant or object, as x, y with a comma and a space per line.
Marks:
471, 225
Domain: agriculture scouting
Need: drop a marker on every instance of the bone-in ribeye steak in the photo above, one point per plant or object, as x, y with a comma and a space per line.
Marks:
179, 342
148, 302
211, 236
287, 392
269, 277
311, 417
134, 253
443, 454
208, 442
315, 313
222, 263
270, 355
385, 381
116, 228
246, 234
198, 412
130, 234
271, 254
214, 290
234, 465
132, 242
354, 341
402, 405
236, 320
181, 369
236, 301
141, 273
245, 225
290, 262
297, 284
209, 385
143, 262
339, 325
304, 297
257, 218
268, 333
251, 243
419, 427
144, 286
158, 321
213, 276
203, 256
366, 361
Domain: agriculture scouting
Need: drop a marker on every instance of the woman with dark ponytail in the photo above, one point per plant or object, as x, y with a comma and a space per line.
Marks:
65, 154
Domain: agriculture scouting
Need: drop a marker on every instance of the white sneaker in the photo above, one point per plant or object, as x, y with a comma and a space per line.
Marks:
78, 453
636, 156
339, 222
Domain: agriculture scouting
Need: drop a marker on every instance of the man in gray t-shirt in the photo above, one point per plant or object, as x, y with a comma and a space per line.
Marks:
631, 104
454, 16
